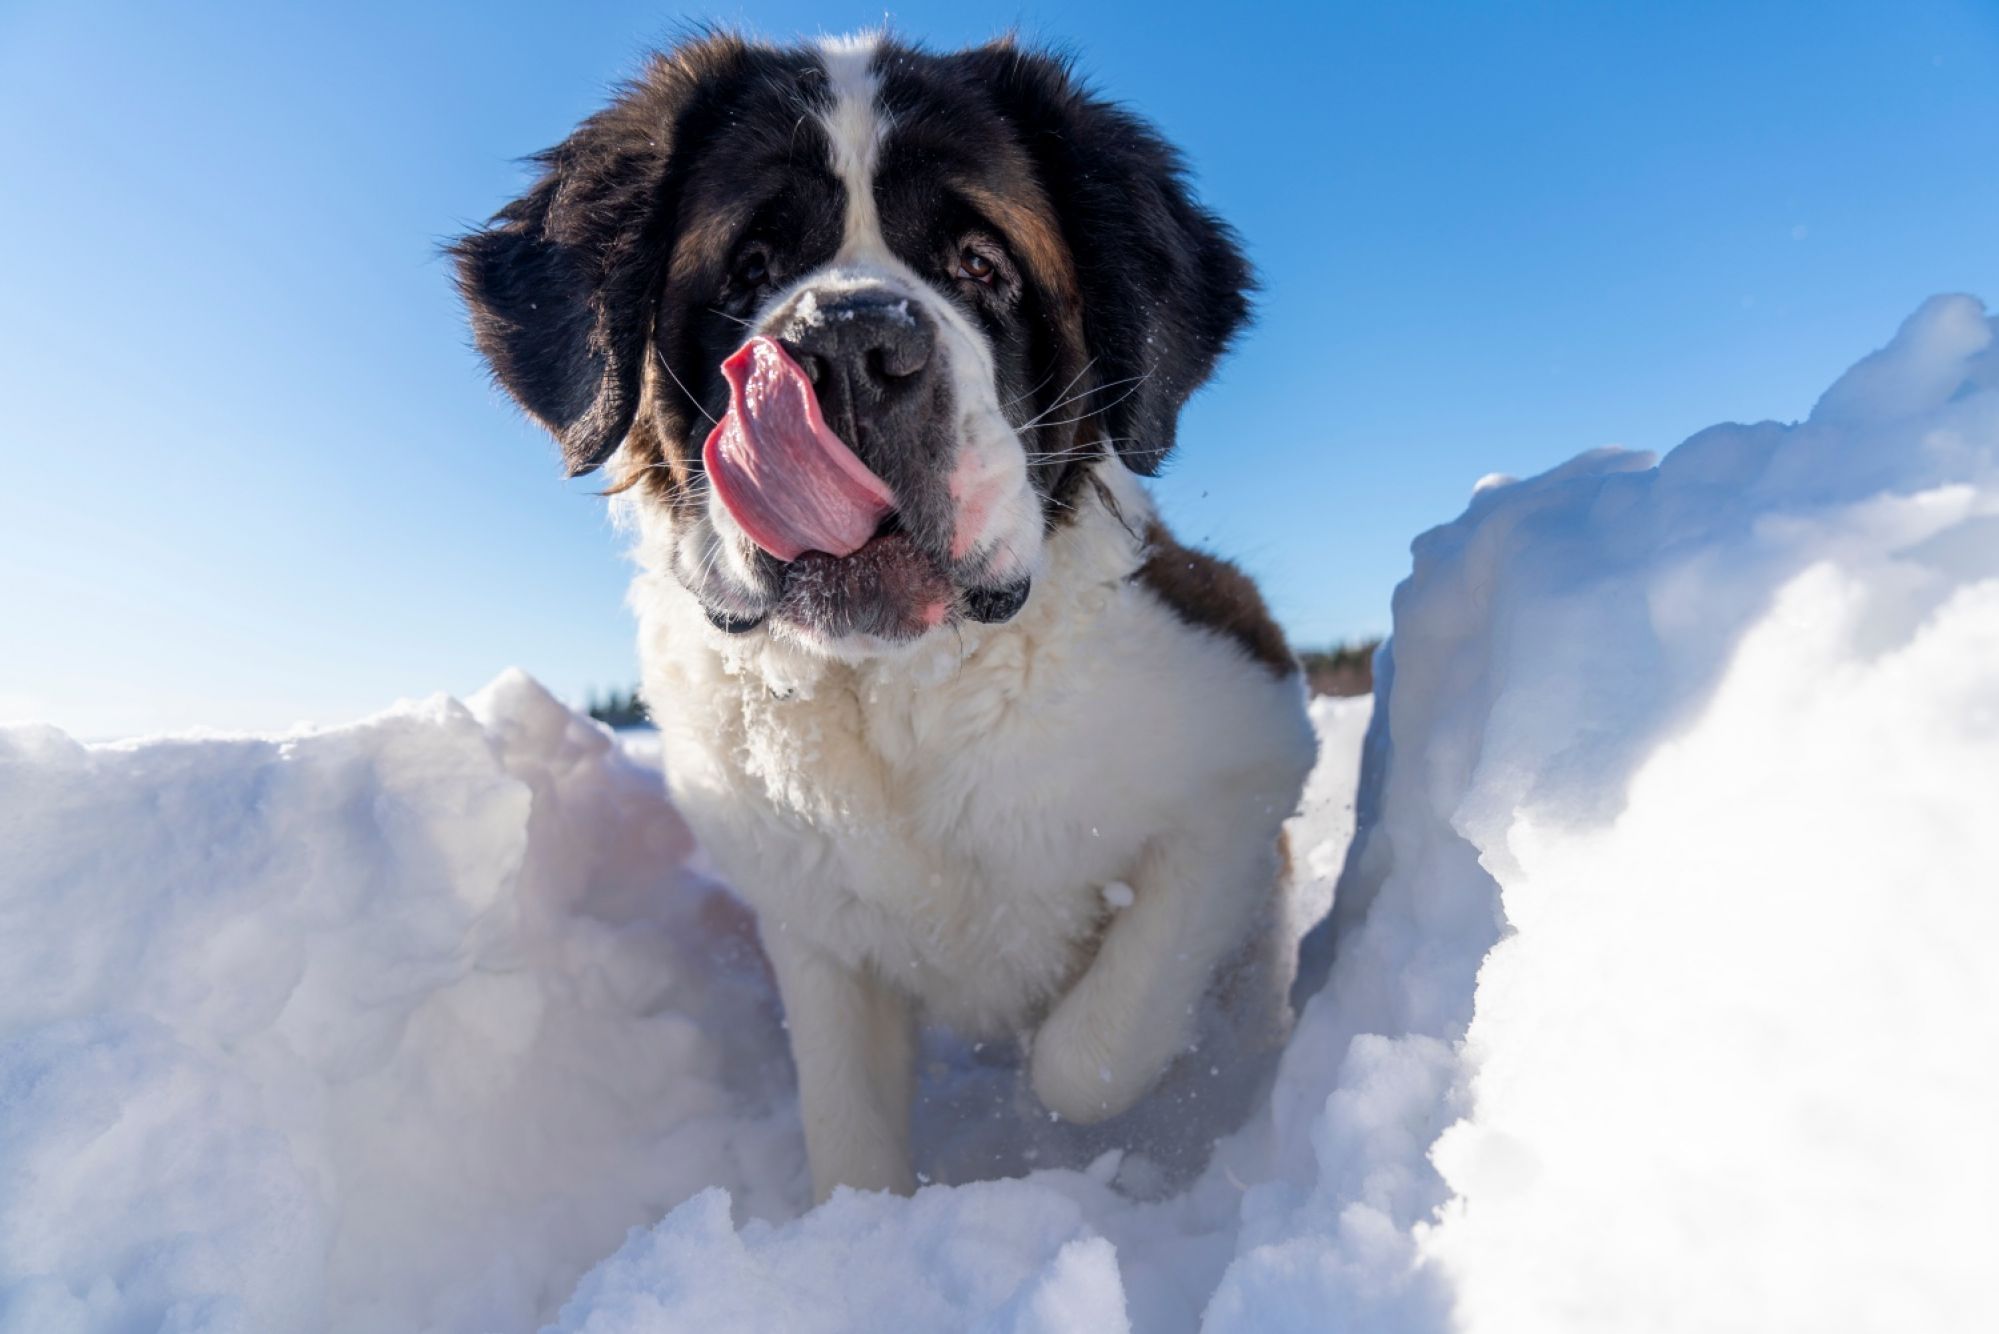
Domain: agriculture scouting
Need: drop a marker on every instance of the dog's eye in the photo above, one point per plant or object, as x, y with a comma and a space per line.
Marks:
976, 268
753, 267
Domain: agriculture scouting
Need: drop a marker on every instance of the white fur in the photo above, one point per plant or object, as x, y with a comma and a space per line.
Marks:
928, 828
936, 826
855, 127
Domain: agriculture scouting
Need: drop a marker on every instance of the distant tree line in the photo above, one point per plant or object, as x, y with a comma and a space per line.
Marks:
1344, 669
619, 709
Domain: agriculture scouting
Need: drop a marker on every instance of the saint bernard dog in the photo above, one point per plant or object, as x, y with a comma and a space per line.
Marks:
874, 345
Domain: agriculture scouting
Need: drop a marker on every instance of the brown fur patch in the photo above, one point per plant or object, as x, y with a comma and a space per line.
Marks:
661, 471
1030, 225
1212, 594
649, 462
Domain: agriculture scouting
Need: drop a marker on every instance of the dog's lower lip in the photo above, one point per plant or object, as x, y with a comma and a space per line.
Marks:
991, 606
891, 588
729, 623
890, 527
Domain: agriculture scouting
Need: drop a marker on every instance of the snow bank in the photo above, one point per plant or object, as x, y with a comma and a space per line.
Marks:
1653, 996
397, 1026
404, 1025
1661, 994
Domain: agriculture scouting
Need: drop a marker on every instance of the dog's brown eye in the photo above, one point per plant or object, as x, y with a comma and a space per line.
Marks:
975, 267
753, 268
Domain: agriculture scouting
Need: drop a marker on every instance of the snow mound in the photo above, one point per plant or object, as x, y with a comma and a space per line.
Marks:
393, 1026
1659, 996
405, 1025
1652, 995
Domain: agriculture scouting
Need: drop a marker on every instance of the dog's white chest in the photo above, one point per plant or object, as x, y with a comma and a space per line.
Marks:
947, 818
948, 831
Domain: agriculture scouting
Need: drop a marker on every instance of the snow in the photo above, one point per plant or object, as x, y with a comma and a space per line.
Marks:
392, 1026
1003, 1257
1660, 998
1654, 991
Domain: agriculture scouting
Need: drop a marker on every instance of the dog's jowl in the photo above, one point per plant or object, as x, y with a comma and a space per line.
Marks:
874, 347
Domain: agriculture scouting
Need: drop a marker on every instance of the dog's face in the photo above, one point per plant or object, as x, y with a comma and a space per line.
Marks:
852, 320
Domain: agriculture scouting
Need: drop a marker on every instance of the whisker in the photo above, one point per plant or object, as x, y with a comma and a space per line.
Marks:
1079, 397
1026, 392
1076, 377
711, 559
1061, 395
689, 392
1070, 421
1061, 402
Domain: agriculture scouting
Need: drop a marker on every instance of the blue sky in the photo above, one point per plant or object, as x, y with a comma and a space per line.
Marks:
251, 474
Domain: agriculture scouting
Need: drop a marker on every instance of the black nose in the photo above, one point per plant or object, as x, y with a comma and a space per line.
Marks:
866, 353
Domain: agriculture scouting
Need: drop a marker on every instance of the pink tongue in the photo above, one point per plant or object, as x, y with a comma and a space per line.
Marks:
784, 476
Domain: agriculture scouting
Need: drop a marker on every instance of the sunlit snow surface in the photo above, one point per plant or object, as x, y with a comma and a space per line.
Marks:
1660, 992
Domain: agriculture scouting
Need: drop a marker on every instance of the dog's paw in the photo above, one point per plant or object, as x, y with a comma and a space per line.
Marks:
862, 1155
1083, 1069
893, 1175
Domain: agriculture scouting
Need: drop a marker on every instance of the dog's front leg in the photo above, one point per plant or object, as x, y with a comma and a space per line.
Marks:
1195, 892
854, 1043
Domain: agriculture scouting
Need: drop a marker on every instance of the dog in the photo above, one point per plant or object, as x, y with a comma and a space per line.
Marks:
875, 346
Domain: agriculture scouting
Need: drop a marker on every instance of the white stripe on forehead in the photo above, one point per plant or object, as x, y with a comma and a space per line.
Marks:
855, 127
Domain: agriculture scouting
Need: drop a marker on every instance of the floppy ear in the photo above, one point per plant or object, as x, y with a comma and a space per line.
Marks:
1165, 286
561, 286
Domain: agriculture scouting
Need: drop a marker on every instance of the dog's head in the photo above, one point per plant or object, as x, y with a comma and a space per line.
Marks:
852, 320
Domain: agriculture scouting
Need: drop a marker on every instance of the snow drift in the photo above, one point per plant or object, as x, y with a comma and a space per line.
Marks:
1653, 995
1690, 769
390, 1027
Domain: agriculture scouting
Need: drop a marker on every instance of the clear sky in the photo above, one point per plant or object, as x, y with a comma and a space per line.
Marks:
250, 472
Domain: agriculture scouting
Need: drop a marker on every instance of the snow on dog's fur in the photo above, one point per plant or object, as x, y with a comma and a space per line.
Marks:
923, 760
